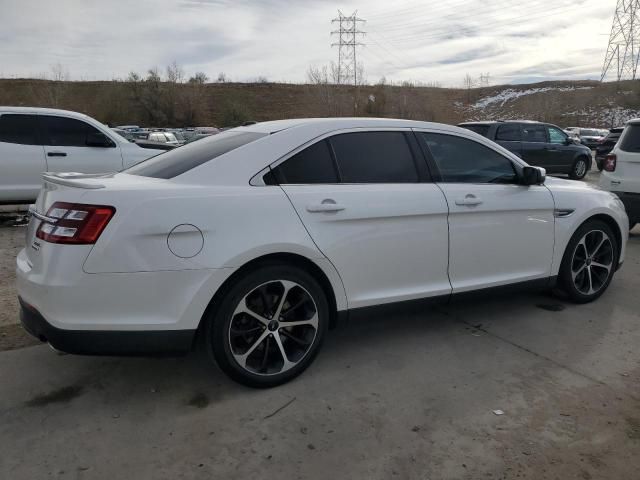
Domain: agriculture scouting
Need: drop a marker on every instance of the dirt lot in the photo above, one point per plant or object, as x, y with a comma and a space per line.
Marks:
411, 395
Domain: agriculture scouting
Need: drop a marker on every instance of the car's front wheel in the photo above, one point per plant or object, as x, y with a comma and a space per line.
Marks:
589, 262
269, 326
579, 169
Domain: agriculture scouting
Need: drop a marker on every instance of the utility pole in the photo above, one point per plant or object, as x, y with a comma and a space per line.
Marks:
623, 50
348, 35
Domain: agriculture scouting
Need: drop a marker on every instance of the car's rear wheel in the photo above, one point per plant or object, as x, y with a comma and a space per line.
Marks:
579, 169
269, 326
589, 262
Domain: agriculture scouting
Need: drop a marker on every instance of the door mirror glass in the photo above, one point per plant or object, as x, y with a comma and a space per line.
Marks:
98, 139
533, 175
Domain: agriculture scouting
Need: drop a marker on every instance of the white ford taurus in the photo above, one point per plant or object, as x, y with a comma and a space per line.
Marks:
257, 239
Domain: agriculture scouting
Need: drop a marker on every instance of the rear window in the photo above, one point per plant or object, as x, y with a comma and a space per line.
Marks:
22, 129
182, 159
481, 129
630, 140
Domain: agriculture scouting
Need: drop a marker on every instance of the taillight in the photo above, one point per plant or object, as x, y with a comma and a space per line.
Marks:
74, 223
610, 162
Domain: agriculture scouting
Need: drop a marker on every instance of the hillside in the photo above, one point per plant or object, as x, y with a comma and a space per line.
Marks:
151, 103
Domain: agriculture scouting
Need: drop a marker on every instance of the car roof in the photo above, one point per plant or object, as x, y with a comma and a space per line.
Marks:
493, 122
45, 111
341, 123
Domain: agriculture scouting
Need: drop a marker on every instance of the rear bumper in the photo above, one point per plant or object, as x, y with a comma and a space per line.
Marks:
101, 342
631, 204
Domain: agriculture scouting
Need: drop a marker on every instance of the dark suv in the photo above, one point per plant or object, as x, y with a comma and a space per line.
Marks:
606, 145
540, 144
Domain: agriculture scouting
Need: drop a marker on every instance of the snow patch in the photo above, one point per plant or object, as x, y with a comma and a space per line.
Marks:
511, 94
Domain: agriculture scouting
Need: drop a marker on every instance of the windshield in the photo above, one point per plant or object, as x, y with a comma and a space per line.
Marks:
178, 161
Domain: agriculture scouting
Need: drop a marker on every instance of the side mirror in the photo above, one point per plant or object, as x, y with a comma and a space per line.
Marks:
98, 139
533, 175
569, 141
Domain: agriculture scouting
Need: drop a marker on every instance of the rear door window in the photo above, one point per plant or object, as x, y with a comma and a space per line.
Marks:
66, 132
374, 157
180, 160
509, 132
534, 133
21, 129
312, 165
630, 139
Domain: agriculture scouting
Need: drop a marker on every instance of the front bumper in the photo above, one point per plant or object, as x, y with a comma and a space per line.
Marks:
101, 342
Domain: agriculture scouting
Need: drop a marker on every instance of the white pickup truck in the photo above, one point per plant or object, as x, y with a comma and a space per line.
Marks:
37, 140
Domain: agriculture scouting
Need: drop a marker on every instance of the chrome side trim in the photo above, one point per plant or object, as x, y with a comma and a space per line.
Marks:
563, 212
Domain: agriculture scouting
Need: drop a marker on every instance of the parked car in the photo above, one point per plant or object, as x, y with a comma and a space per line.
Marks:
591, 137
539, 144
621, 173
606, 145
163, 137
129, 128
126, 134
37, 140
255, 240
155, 145
575, 136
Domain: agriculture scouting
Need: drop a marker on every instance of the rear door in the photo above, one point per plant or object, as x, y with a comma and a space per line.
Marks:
368, 204
500, 232
534, 144
22, 159
67, 150
510, 137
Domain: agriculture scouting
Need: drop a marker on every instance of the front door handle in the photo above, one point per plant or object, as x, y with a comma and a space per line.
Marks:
469, 200
327, 205
56, 154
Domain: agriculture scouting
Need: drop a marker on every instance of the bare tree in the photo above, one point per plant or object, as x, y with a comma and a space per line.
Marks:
200, 78
175, 73
222, 78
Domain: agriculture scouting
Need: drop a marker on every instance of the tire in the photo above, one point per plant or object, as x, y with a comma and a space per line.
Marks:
600, 165
257, 350
579, 169
579, 277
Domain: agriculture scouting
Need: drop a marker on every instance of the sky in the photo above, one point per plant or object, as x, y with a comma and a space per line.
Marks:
423, 41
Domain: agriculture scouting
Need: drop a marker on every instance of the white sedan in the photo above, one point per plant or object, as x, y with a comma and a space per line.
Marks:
256, 240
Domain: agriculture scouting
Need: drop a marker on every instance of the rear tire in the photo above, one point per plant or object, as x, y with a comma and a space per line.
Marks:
248, 333
589, 262
579, 168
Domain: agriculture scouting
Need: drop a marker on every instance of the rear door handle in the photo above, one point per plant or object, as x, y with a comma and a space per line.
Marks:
327, 205
469, 200
56, 154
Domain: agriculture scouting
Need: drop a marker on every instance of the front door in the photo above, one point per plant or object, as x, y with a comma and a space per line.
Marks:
560, 152
67, 149
500, 232
367, 203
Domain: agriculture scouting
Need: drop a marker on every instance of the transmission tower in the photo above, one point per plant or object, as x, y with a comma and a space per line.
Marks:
348, 34
624, 41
